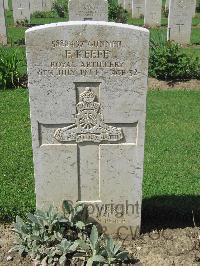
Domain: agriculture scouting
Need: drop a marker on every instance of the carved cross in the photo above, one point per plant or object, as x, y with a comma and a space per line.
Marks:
90, 133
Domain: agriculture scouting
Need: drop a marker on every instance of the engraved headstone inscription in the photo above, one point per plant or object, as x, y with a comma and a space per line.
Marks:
152, 16
88, 10
180, 21
21, 10
3, 32
87, 87
138, 7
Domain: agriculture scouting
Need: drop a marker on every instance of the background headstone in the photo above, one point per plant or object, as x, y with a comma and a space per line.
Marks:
21, 10
180, 21
152, 17
6, 4
36, 5
88, 10
121, 3
47, 5
3, 35
138, 7
128, 5
87, 87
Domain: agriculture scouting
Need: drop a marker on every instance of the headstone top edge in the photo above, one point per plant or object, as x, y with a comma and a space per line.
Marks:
83, 1
80, 23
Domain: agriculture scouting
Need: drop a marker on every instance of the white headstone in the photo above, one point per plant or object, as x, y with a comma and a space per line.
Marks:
3, 36
152, 17
138, 7
128, 5
21, 10
47, 5
80, 10
121, 3
35, 5
88, 85
6, 4
180, 21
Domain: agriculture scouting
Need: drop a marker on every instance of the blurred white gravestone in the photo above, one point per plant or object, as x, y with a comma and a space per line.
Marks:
47, 5
121, 3
152, 17
138, 7
87, 87
128, 5
3, 32
80, 10
180, 21
35, 5
21, 10
6, 4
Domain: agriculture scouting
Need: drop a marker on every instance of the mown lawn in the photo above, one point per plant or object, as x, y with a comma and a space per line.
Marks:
172, 153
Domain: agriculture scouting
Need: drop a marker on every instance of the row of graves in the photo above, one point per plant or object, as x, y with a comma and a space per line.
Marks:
180, 16
179, 19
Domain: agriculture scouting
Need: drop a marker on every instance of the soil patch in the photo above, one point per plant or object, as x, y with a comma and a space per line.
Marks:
170, 247
155, 84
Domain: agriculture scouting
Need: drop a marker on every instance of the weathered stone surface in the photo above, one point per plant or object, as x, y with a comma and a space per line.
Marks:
47, 5
180, 21
152, 17
36, 5
21, 10
3, 35
88, 10
6, 4
128, 5
87, 85
138, 7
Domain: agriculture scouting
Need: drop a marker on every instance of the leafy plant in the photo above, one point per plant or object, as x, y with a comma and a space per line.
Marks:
10, 65
61, 8
52, 238
44, 14
168, 61
116, 12
114, 253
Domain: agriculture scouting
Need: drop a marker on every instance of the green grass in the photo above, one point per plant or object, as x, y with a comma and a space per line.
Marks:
16, 170
171, 152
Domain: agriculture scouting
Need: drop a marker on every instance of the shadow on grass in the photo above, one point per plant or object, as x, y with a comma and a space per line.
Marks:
170, 212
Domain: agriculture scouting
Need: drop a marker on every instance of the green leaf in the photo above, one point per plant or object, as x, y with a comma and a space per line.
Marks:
98, 258
62, 259
94, 236
80, 225
122, 255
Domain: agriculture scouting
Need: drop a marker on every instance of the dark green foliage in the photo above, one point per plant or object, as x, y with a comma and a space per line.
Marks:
44, 14
54, 238
61, 8
116, 13
10, 64
168, 62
